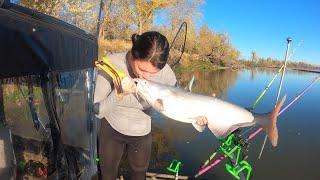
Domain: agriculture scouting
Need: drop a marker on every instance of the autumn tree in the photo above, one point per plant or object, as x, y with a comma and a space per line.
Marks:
206, 41
175, 14
182, 11
76, 12
216, 46
122, 18
117, 21
82, 14
49, 7
144, 10
254, 56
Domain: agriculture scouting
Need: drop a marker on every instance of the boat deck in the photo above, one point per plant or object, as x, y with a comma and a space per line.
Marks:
156, 176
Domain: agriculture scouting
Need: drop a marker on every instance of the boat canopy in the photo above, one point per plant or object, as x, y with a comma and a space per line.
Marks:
35, 43
47, 80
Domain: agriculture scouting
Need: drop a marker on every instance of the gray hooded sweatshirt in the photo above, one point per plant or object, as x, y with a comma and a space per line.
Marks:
126, 115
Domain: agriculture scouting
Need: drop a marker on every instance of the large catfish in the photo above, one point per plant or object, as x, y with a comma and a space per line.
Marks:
223, 117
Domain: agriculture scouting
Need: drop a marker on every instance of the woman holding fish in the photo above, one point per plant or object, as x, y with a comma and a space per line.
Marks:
124, 125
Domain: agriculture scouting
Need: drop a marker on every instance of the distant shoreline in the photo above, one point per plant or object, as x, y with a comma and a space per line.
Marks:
292, 68
306, 70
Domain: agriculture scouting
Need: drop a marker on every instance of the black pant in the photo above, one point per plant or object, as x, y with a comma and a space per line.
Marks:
111, 147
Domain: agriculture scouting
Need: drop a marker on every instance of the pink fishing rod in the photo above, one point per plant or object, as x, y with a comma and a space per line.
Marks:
255, 133
285, 108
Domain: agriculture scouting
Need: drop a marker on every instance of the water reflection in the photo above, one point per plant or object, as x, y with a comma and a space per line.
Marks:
217, 82
18, 116
298, 146
177, 140
297, 126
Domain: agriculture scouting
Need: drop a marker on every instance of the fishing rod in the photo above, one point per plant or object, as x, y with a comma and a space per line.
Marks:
271, 82
284, 70
255, 133
262, 94
279, 89
286, 107
274, 77
251, 108
235, 147
266, 88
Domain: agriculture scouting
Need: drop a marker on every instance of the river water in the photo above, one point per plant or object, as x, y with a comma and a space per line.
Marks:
295, 157
297, 153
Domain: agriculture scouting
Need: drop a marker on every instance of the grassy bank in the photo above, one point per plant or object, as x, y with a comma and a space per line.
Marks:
197, 66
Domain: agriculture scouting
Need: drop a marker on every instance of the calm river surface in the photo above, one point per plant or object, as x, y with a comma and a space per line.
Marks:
297, 155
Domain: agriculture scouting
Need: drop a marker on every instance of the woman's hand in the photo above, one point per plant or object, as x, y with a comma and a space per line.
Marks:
202, 120
128, 86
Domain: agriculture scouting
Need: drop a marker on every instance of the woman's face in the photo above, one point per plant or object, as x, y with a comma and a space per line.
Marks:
143, 69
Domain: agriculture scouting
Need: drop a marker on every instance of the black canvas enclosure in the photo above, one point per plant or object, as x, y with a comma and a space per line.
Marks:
34, 43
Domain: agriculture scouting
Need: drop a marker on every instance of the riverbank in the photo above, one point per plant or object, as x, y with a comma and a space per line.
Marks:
210, 67
306, 70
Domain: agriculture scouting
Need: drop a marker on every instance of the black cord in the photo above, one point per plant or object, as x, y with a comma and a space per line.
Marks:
184, 24
99, 18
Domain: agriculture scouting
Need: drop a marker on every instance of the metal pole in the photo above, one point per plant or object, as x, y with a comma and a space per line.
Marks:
284, 69
279, 89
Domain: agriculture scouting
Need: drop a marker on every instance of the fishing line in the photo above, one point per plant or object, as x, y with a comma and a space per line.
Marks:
295, 49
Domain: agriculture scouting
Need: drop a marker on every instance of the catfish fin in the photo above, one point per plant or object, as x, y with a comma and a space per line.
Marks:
198, 127
190, 84
159, 104
269, 123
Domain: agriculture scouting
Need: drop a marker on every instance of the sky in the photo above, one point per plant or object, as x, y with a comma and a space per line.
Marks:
264, 25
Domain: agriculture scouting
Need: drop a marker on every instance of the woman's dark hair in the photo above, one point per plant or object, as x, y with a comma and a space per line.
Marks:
151, 46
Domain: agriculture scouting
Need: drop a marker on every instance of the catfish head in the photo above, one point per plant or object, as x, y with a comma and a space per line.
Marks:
151, 92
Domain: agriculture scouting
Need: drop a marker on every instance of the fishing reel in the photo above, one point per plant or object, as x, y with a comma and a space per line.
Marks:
239, 141
236, 149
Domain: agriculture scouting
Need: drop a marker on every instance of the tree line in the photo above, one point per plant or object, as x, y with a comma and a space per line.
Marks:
123, 18
256, 61
120, 19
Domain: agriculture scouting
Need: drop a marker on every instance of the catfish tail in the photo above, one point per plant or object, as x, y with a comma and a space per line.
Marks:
269, 123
